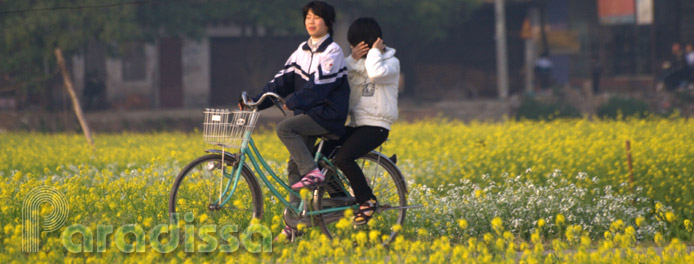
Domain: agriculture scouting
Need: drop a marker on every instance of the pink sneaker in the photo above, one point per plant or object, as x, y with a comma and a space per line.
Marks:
313, 178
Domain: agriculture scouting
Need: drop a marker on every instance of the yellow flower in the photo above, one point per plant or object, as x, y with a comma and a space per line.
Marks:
202, 218
688, 225
639, 221
343, 224
658, 238
17, 176
397, 228
422, 232
462, 223
141, 167
497, 225
488, 237
305, 194
361, 238
560, 219
374, 236
630, 231
585, 240
607, 235
524, 246
508, 235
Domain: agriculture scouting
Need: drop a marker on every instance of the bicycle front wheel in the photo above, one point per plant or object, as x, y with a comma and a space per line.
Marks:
388, 186
197, 190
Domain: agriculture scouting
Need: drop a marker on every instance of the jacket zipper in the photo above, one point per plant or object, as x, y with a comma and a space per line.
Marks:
310, 64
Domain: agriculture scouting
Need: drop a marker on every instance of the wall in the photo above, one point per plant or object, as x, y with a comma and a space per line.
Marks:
196, 73
132, 94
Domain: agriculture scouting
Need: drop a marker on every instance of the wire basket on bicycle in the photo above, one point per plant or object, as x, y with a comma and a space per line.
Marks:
227, 128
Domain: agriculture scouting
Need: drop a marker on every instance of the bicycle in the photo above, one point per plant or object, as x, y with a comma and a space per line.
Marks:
231, 186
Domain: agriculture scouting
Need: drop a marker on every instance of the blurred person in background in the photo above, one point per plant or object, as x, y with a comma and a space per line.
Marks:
689, 59
673, 74
596, 72
543, 70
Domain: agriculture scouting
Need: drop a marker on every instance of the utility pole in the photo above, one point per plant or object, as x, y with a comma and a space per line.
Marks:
530, 49
501, 51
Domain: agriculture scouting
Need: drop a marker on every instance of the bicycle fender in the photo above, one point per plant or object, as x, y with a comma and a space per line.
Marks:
392, 160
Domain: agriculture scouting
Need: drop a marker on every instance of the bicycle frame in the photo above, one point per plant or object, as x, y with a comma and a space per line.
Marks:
249, 150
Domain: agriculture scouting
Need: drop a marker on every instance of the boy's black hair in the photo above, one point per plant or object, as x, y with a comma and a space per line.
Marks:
323, 10
364, 29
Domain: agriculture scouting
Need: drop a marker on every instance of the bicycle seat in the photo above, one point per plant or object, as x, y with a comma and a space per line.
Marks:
330, 136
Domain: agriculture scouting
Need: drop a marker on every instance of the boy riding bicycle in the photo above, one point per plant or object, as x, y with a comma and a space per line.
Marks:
314, 84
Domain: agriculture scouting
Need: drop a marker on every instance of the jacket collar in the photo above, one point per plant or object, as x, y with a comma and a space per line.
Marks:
322, 46
389, 52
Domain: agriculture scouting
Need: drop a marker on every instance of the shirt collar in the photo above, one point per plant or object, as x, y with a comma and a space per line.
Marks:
320, 45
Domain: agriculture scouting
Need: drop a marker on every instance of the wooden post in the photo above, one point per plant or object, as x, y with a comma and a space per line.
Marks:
75, 102
631, 168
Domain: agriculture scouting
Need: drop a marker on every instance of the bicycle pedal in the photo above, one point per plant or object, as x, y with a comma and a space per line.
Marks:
323, 164
313, 187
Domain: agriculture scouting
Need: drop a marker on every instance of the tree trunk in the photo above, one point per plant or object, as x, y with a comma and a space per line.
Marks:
75, 102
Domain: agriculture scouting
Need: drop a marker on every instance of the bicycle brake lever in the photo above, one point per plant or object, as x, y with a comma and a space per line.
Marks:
277, 103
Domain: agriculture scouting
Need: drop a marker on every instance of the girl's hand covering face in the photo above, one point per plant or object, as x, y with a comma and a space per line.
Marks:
379, 45
360, 50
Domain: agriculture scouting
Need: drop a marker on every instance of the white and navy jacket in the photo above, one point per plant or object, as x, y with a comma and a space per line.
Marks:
374, 82
314, 83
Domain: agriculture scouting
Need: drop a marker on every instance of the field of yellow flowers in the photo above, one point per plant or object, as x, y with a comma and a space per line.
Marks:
513, 191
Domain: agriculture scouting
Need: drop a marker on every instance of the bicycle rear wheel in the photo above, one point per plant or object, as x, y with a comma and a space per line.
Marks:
197, 188
389, 187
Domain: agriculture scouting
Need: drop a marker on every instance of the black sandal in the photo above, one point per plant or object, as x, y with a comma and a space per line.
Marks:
363, 216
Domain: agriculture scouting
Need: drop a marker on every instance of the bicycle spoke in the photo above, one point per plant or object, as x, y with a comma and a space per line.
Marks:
199, 192
386, 183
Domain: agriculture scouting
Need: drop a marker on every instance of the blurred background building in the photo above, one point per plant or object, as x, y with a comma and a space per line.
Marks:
447, 48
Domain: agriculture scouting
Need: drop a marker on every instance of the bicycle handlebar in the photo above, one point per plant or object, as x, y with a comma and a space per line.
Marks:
244, 97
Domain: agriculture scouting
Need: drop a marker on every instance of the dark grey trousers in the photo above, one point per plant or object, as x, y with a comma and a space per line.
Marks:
299, 134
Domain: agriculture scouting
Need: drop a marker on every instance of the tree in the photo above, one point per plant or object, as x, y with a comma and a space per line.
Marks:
29, 38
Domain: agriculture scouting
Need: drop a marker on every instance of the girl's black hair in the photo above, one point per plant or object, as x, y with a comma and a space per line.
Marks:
364, 29
323, 10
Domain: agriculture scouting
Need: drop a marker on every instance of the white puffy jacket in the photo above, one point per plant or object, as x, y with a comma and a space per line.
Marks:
374, 88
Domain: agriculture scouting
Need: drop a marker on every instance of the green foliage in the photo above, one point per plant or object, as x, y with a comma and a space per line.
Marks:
30, 38
274, 15
536, 110
618, 107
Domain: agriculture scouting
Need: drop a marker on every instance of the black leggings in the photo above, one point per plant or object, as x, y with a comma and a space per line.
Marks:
356, 142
